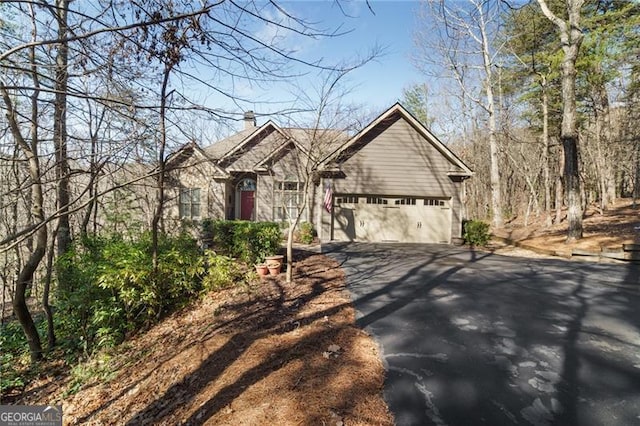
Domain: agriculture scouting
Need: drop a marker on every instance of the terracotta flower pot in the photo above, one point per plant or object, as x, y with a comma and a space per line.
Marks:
262, 269
274, 268
277, 258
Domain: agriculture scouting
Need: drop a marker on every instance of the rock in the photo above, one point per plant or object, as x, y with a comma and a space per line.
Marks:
334, 348
336, 420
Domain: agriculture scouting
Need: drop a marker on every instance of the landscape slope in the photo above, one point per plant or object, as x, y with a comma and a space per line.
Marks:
271, 353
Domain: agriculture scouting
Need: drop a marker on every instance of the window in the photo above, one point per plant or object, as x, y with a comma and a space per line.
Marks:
247, 185
406, 202
189, 203
287, 197
376, 200
433, 202
347, 199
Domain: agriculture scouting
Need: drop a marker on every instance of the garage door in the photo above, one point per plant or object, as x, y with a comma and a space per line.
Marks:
384, 218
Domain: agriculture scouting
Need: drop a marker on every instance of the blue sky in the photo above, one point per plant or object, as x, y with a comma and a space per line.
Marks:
378, 84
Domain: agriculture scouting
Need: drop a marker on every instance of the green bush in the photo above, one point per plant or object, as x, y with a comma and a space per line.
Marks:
475, 232
84, 311
306, 233
221, 271
95, 370
14, 356
247, 241
127, 270
111, 287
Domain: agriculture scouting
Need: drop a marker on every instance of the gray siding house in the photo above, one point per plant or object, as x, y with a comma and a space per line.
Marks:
392, 181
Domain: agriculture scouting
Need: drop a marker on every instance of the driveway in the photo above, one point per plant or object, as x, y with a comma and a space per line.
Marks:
476, 338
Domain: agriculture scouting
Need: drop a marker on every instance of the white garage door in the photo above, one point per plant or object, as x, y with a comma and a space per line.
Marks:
375, 219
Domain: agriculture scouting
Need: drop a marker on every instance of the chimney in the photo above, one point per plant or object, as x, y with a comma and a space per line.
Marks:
249, 120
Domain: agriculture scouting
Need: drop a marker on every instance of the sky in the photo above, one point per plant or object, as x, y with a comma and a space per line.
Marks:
381, 82
376, 86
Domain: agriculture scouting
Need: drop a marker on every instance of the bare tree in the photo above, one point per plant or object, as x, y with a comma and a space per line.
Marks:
571, 38
60, 125
327, 124
150, 48
25, 277
461, 40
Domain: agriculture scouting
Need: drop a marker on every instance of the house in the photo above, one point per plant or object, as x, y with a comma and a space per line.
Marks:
392, 181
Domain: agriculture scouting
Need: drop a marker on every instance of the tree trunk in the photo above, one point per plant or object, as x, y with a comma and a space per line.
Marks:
545, 152
559, 187
571, 38
20, 304
603, 146
496, 190
157, 215
60, 129
569, 138
289, 273
25, 277
51, 335
572, 186
636, 178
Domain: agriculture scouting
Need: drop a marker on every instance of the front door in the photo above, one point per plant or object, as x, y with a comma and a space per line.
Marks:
246, 204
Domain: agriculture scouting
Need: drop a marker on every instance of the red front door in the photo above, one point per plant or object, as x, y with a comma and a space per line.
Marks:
246, 204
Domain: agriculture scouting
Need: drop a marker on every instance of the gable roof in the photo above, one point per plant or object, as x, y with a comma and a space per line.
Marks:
304, 140
230, 149
188, 150
340, 147
346, 150
262, 131
328, 139
218, 149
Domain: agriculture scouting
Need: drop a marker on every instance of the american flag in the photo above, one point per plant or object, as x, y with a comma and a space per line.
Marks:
328, 198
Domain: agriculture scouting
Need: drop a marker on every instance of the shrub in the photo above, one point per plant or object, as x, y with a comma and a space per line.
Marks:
306, 233
128, 271
84, 310
14, 357
249, 242
475, 232
111, 287
95, 370
221, 271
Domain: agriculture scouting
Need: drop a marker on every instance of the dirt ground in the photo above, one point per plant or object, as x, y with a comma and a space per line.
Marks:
619, 225
274, 353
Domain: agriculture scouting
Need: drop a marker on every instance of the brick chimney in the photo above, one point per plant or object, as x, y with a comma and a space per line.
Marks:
249, 120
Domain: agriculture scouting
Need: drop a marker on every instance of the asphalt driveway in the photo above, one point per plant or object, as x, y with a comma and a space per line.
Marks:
476, 338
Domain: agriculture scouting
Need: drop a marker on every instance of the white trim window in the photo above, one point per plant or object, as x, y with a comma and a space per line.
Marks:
434, 202
287, 199
190, 203
405, 202
347, 199
377, 200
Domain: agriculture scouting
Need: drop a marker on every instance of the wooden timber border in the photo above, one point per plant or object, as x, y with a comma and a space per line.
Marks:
625, 253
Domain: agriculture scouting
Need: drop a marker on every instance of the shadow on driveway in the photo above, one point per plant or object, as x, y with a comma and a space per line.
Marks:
476, 338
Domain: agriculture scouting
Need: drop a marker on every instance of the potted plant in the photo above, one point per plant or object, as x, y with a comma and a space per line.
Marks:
274, 267
262, 269
277, 258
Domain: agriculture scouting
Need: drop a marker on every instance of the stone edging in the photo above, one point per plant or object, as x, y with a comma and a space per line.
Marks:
626, 253
526, 246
